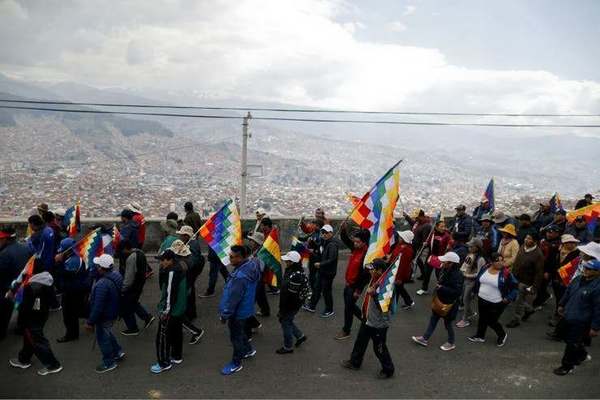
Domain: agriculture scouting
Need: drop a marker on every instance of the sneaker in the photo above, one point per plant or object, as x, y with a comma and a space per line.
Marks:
130, 332
250, 354
47, 371
206, 295
231, 368
587, 358
461, 307
538, 308
300, 341
327, 314
502, 340
149, 322
274, 292
448, 346
283, 350
176, 362
408, 306
348, 365
14, 362
548, 299
422, 292
463, 323
55, 309
527, 315
196, 338
157, 369
262, 314
120, 356
256, 328
103, 368
420, 340
513, 324
562, 371
384, 375
342, 335
308, 308
476, 339
66, 339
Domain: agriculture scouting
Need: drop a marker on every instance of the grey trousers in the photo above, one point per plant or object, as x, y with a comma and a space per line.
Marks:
524, 302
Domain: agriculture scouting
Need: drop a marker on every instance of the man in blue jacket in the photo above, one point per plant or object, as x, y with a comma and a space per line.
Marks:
13, 257
41, 243
580, 308
237, 305
104, 310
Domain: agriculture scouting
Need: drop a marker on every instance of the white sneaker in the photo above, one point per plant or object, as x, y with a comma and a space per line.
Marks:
448, 346
463, 323
421, 292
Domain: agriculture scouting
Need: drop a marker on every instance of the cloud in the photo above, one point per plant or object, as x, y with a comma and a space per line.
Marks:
396, 26
409, 10
289, 51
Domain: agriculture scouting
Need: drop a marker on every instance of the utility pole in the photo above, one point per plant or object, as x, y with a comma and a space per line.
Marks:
244, 180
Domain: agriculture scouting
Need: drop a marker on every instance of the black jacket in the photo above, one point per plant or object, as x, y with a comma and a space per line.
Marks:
451, 287
13, 258
37, 297
293, 289
329, 257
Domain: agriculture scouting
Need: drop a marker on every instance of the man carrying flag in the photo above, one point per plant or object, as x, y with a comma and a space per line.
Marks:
374, 325
488, 204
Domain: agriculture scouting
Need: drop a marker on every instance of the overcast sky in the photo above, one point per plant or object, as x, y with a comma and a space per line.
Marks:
494, 56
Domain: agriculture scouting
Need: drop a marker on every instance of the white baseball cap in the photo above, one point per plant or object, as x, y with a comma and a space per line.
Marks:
327, 228
292, 256
592, 249
407, 236
450, 257
105, 261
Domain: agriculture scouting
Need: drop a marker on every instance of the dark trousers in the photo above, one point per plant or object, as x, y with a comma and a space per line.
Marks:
378, 336
72, 309
350, 309
402, 292
489, 314
130, 307
542, 295
313, 275
213, 274
251, 323
290, 330
324, 287
6, 311
190, 311
559, 290
35, 343
169, 340
239, 340
427, 270
109, 347
433, 321
190, 326
261, 298
574, 334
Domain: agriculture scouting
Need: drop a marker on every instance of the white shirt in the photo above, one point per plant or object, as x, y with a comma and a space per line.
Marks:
488, 288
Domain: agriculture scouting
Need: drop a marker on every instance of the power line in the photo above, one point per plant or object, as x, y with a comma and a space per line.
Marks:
347, 121
293, 110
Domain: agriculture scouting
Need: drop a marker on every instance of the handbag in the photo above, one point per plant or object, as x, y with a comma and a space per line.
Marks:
440, 308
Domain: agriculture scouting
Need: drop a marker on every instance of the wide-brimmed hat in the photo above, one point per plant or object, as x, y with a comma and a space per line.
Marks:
510, 229
568, 238
486, 217
592, 249
179, 248
499, 217
135, 207
169, 226
257, 238
407, 236
186, 230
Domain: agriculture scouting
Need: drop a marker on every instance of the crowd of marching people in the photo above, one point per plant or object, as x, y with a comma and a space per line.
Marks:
482, 262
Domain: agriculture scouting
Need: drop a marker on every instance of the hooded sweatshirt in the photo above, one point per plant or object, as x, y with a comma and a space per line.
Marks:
37, 295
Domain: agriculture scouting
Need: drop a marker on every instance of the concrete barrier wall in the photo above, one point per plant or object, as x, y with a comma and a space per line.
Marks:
154, 235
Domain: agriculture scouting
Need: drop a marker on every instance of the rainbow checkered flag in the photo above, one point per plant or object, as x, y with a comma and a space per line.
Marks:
385, 290
270, 254
301, 248
222, 230
72, 220
90, 246
375, 212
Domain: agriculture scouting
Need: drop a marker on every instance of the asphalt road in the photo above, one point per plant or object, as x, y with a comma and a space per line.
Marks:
523, 368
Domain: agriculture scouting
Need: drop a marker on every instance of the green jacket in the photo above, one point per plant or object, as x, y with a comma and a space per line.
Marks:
173, 289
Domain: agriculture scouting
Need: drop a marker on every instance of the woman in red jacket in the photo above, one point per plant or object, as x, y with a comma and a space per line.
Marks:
438, 242
403, 249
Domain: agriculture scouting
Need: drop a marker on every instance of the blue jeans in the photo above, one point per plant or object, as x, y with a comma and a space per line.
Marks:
433, 323
108, 344
239, 340
290, 330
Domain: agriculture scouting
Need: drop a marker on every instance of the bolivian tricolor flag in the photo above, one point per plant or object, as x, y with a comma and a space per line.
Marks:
270, 254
